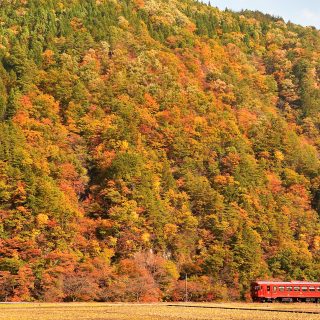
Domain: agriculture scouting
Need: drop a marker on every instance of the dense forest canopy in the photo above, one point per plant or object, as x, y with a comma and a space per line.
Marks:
141, 140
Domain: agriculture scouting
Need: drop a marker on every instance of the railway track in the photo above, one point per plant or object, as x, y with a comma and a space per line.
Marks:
246, 309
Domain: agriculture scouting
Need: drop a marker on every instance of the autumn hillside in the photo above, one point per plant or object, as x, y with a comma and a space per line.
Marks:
144, 139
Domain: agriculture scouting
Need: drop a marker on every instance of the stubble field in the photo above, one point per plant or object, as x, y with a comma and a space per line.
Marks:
107, 311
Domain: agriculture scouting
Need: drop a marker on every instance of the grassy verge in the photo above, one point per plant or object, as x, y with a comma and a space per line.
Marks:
106, 311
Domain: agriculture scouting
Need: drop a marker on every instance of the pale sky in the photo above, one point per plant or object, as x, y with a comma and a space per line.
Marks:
304, 12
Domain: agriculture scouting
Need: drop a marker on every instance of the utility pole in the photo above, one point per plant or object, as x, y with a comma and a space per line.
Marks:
186, 288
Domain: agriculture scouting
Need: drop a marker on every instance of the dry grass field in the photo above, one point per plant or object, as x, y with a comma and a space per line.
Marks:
106, 311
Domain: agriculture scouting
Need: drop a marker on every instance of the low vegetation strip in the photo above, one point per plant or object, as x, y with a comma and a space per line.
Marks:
108, 311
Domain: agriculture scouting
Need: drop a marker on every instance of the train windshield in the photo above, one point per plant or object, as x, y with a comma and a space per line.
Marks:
257, 288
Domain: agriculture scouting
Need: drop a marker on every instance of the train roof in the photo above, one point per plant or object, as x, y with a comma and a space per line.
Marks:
286, 283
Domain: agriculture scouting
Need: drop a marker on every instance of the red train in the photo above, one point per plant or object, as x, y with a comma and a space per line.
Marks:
294, 291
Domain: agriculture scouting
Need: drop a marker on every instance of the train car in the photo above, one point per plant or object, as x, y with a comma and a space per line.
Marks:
294, 291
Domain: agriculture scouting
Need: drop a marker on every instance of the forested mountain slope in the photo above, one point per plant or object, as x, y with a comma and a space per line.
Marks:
144, 139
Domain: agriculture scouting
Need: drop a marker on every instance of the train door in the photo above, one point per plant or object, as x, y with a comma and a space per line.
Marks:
268, 291
274, 293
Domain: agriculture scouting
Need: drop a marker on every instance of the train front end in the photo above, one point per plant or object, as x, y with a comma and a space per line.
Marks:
256, 292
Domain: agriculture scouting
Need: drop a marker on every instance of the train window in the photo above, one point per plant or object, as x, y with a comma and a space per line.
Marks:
318, 288
281, 288
304, 288
275, 288
312, 289
257, 288
289, 288
296, 288
268, 288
